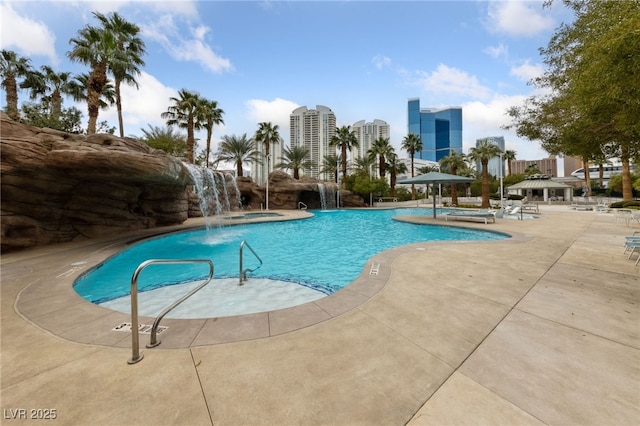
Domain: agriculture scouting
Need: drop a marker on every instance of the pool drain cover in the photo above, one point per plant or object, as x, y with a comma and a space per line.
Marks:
142, 328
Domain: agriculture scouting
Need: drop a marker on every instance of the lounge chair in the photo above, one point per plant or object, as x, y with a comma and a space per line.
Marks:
471, 215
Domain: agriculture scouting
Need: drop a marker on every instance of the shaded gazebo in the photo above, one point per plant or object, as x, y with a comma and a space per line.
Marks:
542, 188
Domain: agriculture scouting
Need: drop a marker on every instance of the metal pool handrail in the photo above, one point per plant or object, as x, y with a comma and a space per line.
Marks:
243, 273
136, 356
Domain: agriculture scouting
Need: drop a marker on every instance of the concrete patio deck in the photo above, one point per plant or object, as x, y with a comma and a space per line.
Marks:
542, 328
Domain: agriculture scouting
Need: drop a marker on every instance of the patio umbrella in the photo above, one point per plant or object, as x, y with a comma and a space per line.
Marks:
434, 178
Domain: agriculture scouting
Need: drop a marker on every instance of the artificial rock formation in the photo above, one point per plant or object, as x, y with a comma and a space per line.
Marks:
58, 187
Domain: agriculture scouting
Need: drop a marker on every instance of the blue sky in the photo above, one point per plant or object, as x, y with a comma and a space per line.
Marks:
262, 59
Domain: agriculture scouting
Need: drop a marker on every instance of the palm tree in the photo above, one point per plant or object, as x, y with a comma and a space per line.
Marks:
267, 134
185, 113
346, 140
364, 164
295, 158
132, 47
451, 163
166, 139
13, 67
79, 91
395, 167
412, 144
482, 153
330, 165
49, 85
237, 150
380, 148
97, 48
211, 115
508, 156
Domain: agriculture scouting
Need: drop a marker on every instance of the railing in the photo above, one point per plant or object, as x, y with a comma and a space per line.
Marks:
136, 356
243, 273
301, 205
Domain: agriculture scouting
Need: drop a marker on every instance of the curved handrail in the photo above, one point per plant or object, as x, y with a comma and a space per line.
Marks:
243, 273
301, 205
135, 338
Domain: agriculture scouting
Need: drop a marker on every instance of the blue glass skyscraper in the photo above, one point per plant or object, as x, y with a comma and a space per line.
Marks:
439, 129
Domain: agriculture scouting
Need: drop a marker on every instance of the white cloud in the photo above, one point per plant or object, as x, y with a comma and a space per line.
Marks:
190, 49
518, 18
277, 112
527, 71
25, 35
448, 80
381, 61
141, 107
483, 119
500, 51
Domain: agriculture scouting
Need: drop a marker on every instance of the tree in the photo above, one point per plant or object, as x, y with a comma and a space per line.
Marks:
127, 67
451, 163
412, 144
97, 48
363, 165
166, 139
346, 140
380, 148
39, 115
591, 87
50, 86
266, 135
330, 165
13, 67
237, 150
395, 167
509, 156
482, 153
210, 115
185, 113
295, 158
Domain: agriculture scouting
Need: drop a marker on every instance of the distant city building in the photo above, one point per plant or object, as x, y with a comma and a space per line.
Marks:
494, 166
366, 133
440, 130
546, 166
259, 170
313, 129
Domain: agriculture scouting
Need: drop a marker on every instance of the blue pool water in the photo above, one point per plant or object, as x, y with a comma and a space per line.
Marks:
325, 252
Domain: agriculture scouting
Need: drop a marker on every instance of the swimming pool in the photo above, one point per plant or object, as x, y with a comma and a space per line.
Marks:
323, 253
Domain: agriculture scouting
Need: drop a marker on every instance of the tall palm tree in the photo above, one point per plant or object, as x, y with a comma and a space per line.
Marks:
412, 144
482, 153
508, 156
79, 91
210, 115
51, 86
395, 167
97, 48
451, 163
237, 150
295, 158
330, 165
346, 140
266, 135
185, 113
132, 47
13, 67
380, 148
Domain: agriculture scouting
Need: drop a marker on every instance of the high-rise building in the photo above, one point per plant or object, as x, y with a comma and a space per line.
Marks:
313, 129
495, 169
259, 171
366, 133
440, 130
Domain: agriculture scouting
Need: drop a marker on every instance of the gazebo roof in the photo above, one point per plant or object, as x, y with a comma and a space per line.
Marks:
539, 184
